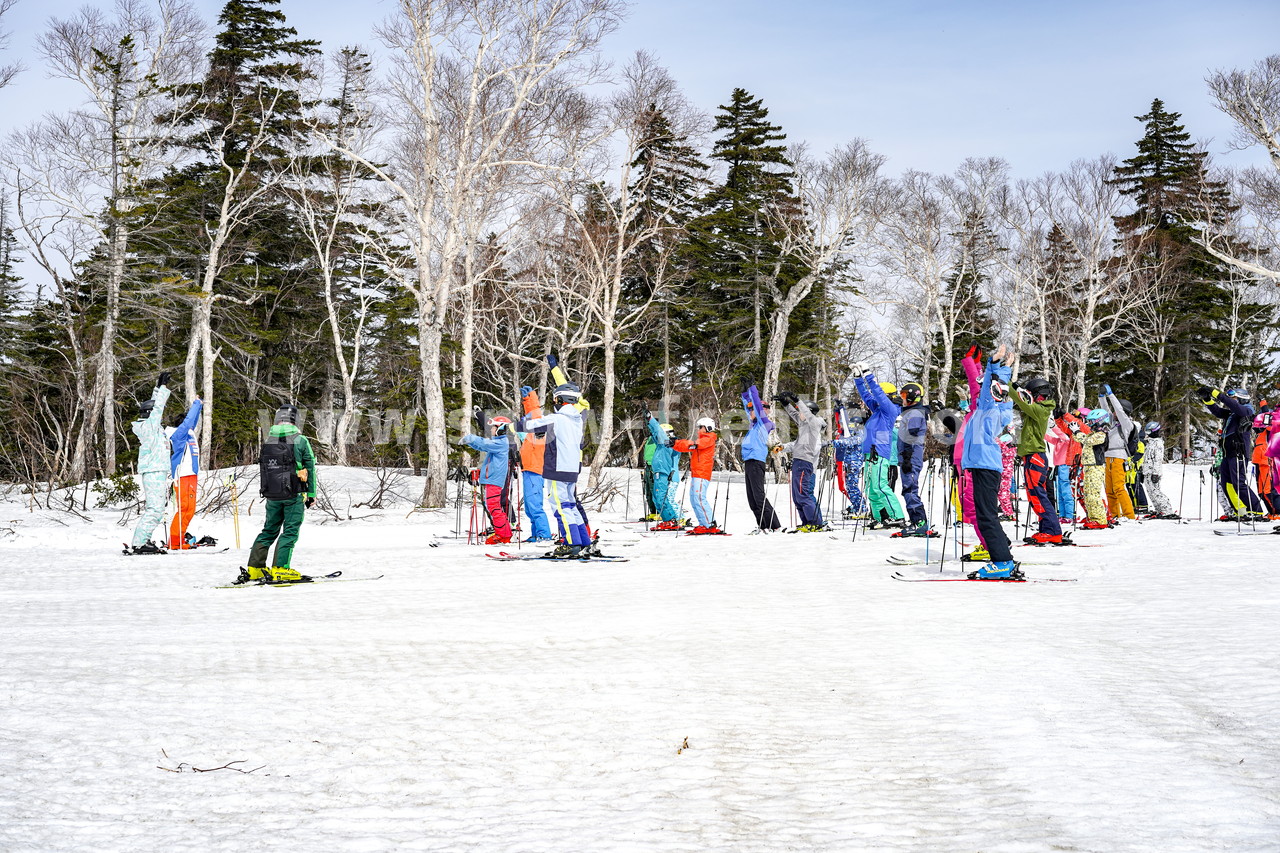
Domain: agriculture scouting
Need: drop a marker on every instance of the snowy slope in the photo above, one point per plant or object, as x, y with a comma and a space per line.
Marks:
465, 704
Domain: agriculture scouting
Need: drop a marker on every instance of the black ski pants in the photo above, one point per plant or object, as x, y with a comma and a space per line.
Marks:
986, 506
766, 518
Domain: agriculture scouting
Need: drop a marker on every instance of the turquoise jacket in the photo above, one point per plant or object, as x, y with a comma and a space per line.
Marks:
153, 455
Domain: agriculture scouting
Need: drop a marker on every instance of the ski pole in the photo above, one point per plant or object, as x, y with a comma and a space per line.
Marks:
235, 507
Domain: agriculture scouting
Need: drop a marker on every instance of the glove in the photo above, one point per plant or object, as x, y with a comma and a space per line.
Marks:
552, 360
1058, 413
935, 407
746, 385
1073, 427
860, 368
838, 404
525, 391
309, 502
1205, 393
973, 349
164, 378
462, 442
1106, 390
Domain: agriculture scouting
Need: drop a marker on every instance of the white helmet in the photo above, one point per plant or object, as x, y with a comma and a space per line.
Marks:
706, 422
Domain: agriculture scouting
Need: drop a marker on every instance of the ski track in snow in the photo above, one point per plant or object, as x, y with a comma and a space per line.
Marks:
465, 704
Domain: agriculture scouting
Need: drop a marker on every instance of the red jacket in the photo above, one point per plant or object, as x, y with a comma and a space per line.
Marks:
702, 454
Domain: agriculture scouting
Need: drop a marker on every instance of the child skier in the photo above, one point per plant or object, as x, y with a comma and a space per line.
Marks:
287, 479
1232, 407
1008, 461
495, 475
650, 504
1119, 438
912, 429
702, 457
153, 466
755, 452
532, 484
848, 454
804, 451
1034, 399
878, 446
1063, 455
1153, 469
1091, 435
562, 433
982, 460
666, 470
184, 468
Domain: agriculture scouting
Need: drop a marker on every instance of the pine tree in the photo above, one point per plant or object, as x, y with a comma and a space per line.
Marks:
1169, 183
12, 303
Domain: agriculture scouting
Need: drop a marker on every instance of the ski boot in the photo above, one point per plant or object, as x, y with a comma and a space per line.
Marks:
1043, 539
251, 574
1004, 571
1090, 524
567, 552
148, 547
977, 555
917, 531
205, 542
495, 539
285, 575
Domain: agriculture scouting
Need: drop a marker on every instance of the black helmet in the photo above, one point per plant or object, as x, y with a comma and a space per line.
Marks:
813, 407
1038, 387
912, 393
1127, 406
287, 414
145, 407
566, 393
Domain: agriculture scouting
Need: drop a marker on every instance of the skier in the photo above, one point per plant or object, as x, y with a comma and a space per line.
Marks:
495, 475
184, 469
804, 451
702, 457
912, 429
1264, 466
650, 503
878, 447
531, 481
1064, 454
972, 366
666, 470
1119, 437
562, 433
755, 451
983, 462
1008, 461
153, 466
1034, 399
1152, 468
848, 454
1091, 435
287, 475
1232, 407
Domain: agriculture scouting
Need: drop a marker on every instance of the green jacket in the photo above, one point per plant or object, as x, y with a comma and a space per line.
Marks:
302, 454
1035, 423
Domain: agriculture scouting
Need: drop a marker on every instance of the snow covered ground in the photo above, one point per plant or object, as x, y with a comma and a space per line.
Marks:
719, 694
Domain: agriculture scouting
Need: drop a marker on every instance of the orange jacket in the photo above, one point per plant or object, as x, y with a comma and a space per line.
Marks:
1260, 449
533, 445
702, 454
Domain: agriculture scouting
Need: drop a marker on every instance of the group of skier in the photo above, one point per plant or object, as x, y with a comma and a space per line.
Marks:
1099, 457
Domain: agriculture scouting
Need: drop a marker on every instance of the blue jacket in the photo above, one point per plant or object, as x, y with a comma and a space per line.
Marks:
181, 440
981, 444
884, 414
913, 428
755, 444
564, 432
494, 466
665, 458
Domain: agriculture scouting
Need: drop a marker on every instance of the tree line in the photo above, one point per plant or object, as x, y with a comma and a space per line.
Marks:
413, 234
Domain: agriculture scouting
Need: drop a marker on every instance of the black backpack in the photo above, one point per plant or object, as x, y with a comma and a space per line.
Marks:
278, 470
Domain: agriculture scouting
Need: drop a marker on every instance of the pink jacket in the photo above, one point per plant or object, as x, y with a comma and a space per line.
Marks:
1059, 446
973, 374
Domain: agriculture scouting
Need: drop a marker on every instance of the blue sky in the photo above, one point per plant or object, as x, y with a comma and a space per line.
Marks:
927, 83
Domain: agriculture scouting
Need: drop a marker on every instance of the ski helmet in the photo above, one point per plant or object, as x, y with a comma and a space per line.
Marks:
888, 388
1098, 416
500, 424
1263, 420
145, 407
668, 429
1038, 387
287, 414
858, 416
706, 422
1127, 407
1238, 394
566, 393
999, 391
912, 393
811, 406
1153, 429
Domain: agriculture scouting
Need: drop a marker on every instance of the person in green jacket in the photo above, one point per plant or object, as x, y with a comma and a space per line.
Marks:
1034, 399
153, 466
288, 482
650, 505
